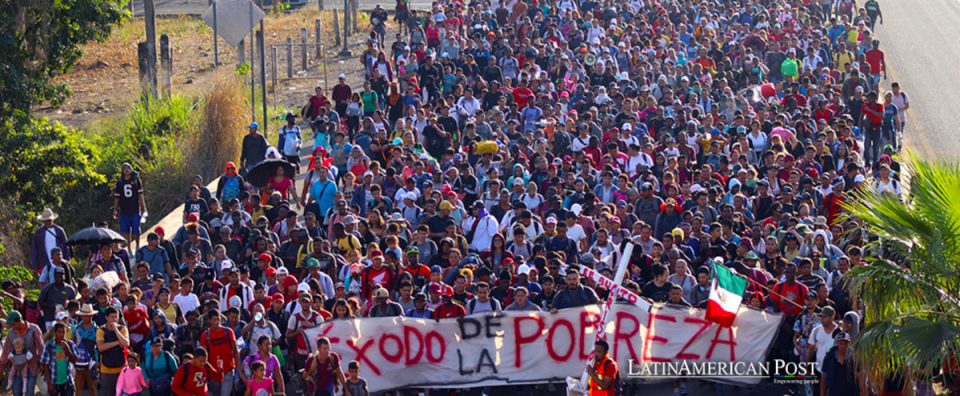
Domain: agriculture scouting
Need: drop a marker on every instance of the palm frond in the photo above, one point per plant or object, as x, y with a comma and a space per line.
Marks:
911, 290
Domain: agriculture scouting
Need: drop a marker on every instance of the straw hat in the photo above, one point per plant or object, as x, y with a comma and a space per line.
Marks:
47, 214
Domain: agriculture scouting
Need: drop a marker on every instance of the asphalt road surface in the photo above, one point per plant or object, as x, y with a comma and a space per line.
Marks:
197, 7
919, 39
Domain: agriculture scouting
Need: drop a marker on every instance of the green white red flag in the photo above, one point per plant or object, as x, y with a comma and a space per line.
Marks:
726, 293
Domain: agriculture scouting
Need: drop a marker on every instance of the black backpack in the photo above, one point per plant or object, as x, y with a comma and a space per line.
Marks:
617, 381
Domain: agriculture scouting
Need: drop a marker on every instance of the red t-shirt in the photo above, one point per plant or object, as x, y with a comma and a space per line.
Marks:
444, 311
521, 96
195, 383
875, 119
874, 58
796, 292
221, 346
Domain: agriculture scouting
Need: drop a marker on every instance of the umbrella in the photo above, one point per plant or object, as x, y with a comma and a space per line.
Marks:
94, 236
261, 173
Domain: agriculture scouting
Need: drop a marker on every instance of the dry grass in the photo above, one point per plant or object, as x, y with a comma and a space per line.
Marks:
225, 118
105, 78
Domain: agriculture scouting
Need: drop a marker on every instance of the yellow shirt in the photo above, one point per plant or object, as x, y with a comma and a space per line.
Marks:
100, 337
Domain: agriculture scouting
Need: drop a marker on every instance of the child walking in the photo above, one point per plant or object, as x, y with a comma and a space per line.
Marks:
131, 381
356, 385
259, 385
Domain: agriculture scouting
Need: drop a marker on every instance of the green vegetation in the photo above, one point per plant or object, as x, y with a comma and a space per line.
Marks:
913, 308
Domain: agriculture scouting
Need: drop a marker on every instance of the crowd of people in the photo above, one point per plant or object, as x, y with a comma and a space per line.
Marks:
494, 148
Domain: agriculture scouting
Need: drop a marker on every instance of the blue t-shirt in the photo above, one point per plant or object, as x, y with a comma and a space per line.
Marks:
323, 193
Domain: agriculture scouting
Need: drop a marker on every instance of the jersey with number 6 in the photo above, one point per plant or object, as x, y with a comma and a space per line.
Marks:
128, 192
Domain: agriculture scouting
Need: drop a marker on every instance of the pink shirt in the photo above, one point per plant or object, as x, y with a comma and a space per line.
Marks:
131, 381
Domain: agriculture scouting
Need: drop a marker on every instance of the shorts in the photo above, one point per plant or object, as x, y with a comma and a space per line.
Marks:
130, 224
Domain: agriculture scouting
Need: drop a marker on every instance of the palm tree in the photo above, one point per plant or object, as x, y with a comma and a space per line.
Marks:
910, 291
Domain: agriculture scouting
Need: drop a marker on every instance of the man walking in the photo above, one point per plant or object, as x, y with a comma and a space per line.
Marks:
47, 237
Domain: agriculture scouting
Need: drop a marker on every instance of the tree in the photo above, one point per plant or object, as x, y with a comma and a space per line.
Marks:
43, 162
911, 290
40, 40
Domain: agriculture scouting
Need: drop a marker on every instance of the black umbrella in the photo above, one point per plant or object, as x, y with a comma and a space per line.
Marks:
95, 236
261, 173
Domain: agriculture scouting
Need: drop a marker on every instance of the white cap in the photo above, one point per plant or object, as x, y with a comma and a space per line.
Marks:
523, 269
225, 265
626, 127
576, 209
235, 301
302, 288
859, 179
283, 271
342, 76
696, 188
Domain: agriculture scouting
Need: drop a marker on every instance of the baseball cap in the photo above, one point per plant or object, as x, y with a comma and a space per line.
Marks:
265, 257
312, 263
381, 293
271, 271
436, 269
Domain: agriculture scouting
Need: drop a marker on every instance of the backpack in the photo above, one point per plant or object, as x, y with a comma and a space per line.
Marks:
32, 313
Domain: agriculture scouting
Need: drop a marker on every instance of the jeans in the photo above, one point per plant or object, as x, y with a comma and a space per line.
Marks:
108, 384
871, 144
890, 136
66, 389
20, 388
224, 388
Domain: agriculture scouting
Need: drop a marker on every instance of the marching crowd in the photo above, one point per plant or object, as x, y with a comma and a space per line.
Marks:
493, 148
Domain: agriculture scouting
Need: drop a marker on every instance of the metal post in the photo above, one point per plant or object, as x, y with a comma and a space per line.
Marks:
321, 5
354, 14
253, 74
216, 48
303, 49
242, 52
289, 57
263, 76
336, 26
345, 52
273, 69
319, 45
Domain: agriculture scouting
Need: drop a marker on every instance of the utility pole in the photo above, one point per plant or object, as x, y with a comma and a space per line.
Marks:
216, 49
345, 52
263, 71
151, 26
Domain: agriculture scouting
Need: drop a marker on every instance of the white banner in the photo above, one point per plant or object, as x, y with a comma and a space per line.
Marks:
527, 348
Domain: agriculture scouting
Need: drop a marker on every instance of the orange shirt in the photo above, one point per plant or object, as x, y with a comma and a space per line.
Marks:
607, 369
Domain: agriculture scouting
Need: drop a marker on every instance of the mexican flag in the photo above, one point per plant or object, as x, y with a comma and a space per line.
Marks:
726, 292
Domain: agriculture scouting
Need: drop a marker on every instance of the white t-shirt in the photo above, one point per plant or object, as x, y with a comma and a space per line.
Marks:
186, 303
576, 233
823, 341
900, 101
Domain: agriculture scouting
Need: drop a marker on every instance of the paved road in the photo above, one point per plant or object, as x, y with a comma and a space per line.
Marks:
919, 39
197, 7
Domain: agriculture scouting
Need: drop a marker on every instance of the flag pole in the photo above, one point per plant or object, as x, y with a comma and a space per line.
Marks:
617, 284
762, 286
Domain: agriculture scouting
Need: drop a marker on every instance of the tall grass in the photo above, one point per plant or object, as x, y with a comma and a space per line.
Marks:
168, 141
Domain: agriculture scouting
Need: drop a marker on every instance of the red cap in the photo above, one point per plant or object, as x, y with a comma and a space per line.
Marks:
447, 291
265, 257
375, 253
193, 217
813, 172
276, 297
435, 288
159, 231
290, 280
271, 271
